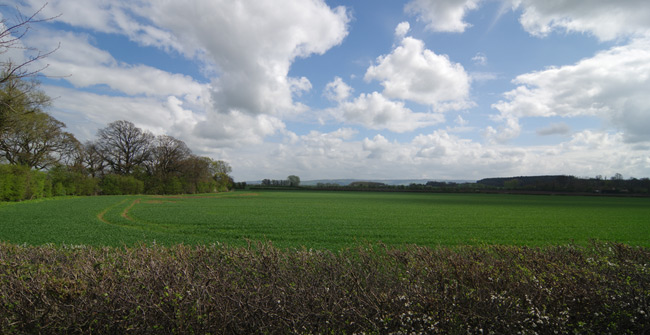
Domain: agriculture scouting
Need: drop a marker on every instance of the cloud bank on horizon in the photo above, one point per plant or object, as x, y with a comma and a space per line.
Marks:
419, 89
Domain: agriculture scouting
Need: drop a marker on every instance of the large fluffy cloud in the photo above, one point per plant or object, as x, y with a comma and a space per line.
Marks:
612, 85
250, 47
412, 72
252, 44
442, 15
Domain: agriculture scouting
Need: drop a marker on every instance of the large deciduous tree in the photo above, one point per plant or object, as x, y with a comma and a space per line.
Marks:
124, 147
92, 160
168, 155
28, 135
19, 97
36, 140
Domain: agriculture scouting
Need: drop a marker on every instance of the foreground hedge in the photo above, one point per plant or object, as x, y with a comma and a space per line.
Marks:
602, 288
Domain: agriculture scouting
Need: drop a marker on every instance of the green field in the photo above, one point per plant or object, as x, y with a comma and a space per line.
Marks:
328, 219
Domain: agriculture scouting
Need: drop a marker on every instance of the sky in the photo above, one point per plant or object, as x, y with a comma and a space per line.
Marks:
364, 89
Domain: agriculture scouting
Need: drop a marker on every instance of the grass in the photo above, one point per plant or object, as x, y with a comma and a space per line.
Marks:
328, 219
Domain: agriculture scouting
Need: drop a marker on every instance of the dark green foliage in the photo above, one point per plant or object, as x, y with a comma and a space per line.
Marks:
114, 184
260, 289
560, 183
203, 186
69, 182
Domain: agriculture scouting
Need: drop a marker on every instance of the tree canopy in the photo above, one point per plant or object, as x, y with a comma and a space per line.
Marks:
124, 146
123, 159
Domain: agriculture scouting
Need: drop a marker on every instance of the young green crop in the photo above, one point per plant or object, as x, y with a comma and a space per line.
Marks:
329, 219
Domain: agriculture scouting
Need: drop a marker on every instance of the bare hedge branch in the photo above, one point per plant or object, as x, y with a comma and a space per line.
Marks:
259, 289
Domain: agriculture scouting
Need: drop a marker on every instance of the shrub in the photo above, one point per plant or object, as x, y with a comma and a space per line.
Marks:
21, 183
259, 289
113, 184
69, 182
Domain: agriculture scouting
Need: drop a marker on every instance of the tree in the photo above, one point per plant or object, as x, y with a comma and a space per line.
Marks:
294, 181
36, 140
123, 146
92, 160
168, 155
220, 171
11, 34
219, 166
19, 97
197, 174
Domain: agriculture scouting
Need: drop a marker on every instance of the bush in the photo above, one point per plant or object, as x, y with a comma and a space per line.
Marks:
69, 182
113, 184
259, 289
21, 183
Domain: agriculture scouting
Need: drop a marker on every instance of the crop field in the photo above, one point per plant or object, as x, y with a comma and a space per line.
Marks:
331, 220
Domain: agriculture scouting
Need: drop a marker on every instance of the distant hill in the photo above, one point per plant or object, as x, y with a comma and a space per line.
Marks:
345, 182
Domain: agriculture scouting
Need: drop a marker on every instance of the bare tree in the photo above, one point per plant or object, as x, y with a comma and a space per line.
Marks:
123, 146
168, 155
92, 159
11, 34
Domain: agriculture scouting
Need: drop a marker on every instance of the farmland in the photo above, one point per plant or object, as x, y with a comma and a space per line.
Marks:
330, 220
454, 263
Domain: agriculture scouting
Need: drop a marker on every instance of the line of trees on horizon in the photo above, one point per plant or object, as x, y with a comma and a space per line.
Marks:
291, 181
526, 184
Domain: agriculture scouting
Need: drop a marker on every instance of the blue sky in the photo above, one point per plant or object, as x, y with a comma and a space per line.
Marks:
418, 89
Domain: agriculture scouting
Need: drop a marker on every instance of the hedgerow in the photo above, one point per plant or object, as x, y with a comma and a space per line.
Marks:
601, 288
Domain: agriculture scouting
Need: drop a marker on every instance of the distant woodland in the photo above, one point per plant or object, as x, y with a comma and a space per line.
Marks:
615, 185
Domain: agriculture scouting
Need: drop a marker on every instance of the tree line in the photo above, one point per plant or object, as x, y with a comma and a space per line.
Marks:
522, 184
38, 158
291, 181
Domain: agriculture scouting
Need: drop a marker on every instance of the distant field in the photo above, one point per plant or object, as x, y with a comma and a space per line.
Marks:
328, 219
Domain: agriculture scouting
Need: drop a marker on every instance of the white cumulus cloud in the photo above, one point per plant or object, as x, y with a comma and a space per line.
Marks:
412, 72
374, 111
402, 29
612, 85
442, 15
337, 90
605, 19
253, 45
